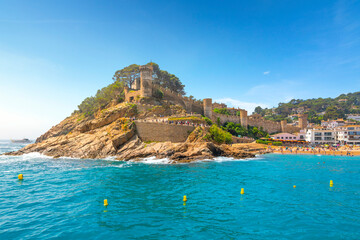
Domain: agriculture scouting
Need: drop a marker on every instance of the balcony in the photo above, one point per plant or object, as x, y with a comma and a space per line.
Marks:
354, 138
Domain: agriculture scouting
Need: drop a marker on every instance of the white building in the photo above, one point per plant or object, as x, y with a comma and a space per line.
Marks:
355, 117
321, 136
284, 136
343, 135
349, 134
333, 123
301, 135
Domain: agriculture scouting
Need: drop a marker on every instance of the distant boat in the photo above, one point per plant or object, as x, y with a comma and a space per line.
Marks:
25, 140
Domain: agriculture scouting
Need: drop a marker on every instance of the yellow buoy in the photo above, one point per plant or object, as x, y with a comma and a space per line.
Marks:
20, 177
242, 191
331, 183
184, 199
105, 203
294, 186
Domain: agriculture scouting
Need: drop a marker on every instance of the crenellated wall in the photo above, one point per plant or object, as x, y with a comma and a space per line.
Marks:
225, 118
267, 125
254, 120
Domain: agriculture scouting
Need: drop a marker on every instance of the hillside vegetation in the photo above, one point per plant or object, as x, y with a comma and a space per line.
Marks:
317, 108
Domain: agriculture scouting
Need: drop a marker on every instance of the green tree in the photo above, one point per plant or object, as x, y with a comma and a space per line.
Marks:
166, 79
102, 98
218, 135
221, 111
333, 112
258, 110
128, 75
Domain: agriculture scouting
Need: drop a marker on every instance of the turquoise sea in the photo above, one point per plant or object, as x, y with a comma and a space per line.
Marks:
63, 198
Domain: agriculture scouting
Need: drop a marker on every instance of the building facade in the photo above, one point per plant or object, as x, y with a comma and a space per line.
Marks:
285, 136
355, 117
321, 136
348, 135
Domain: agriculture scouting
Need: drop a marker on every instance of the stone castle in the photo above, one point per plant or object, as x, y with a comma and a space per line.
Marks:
144, 88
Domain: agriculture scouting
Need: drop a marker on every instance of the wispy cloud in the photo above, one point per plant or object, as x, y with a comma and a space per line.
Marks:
248, 106
267, 73
281, 91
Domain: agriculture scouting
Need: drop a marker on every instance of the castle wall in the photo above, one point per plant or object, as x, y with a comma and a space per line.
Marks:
224, 118
245, 120
132, 95
291, 129
189, 105
162, 132
267, 125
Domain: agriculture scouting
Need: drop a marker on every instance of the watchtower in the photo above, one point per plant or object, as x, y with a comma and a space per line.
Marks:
208, 107
243, 118
146, 80
283, 125
302, 120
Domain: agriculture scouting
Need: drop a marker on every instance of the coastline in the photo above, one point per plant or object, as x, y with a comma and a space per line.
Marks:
309, 151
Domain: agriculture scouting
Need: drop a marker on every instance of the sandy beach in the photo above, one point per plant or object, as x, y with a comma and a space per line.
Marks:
342, 151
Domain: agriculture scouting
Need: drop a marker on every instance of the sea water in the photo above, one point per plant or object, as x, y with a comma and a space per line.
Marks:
63, 198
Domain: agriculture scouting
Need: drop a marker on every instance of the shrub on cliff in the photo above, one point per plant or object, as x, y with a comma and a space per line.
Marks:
218, 135
102, 98
269, 142
208, 121
224, 111
158, 94
237, 130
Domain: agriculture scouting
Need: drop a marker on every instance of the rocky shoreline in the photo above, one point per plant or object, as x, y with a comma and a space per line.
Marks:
112, 133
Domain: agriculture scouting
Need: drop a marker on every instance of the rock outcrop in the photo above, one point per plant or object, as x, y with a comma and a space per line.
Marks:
113, 133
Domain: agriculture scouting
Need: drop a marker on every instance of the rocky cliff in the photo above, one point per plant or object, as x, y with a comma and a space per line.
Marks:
113, 133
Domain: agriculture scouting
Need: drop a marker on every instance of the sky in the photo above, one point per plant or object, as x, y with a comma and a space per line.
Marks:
53, 54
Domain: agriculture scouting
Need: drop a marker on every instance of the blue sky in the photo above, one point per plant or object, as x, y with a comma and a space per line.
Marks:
53, 54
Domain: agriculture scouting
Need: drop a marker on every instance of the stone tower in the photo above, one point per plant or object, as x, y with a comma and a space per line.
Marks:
146, 80
283, 125
243, 118
303, 121
136, 84
208, 107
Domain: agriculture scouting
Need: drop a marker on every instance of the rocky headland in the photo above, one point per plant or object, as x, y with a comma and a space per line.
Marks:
112, 132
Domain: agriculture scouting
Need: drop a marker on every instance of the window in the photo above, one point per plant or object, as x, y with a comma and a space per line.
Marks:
327, 134
317, 138
318, 134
